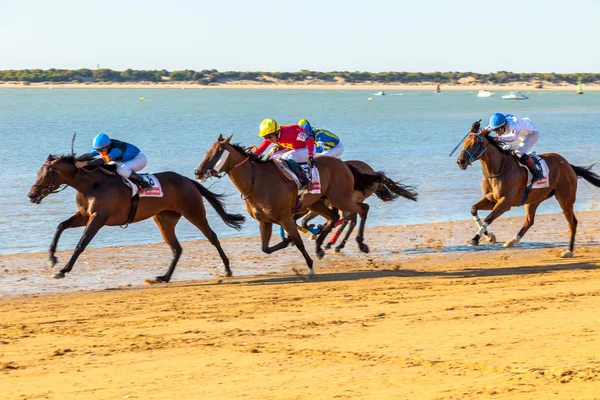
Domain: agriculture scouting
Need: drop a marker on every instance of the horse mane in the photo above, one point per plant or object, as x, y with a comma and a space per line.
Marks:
253, 157
72, 159
492, 142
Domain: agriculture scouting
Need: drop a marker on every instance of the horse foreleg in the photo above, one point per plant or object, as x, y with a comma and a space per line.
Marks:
331, 215
266, 230
75, 221
500, 208
290, 226
483, 204
529, 218
94, 224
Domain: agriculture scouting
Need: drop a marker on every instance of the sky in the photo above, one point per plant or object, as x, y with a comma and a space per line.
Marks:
278, 35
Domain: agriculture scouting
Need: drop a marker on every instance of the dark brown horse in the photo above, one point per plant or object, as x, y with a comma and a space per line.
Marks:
386, 191
272, 200
504, 183
104, 199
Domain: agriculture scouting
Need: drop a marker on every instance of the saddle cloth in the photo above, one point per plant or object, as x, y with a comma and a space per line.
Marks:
542, 183
287, 174
154, 191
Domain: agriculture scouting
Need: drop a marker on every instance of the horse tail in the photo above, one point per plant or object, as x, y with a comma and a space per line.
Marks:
388, 190
234, 221
587, 174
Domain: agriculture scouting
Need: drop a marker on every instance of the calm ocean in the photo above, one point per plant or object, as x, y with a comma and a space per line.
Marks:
408, 134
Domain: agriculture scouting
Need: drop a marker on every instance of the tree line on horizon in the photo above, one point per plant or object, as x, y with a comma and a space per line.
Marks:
206, 77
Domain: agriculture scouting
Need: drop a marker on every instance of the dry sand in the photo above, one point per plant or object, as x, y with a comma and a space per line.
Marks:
420, 317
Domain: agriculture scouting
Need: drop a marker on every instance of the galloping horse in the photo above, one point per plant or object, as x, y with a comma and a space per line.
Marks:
104, 199
270, 199
504, 185
386, 191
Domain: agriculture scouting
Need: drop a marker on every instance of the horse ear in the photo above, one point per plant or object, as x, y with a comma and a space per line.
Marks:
220, 138
476, 126
50, 158
227, 140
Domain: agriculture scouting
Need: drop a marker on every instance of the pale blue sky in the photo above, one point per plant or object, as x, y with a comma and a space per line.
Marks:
275, 35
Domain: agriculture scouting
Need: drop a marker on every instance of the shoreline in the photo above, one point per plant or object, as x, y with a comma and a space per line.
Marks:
284, 86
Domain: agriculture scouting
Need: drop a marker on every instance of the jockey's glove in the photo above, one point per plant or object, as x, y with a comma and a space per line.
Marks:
311, 161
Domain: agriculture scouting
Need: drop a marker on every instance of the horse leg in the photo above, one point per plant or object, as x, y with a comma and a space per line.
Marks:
331, 215
337, 234
290, 226
309, 217
500, 208
198, 219
166, 221
566, 201
94, 224
352, 219
530, 210
75, 221
266, 230
483, 204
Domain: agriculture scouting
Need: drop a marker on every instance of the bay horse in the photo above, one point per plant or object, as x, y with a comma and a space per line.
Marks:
386, 191
273, 200
504, 184
103, 199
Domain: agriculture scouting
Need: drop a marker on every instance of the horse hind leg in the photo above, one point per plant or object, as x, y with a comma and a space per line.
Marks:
332, 217
352, 220
166, 221
566, 202
530, 210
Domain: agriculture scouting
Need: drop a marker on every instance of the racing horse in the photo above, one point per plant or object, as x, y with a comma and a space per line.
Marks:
273, 200
504, 185
103, 199
386, 191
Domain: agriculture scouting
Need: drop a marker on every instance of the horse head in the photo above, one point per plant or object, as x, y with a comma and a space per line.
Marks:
217, 160
50, 177
474, 146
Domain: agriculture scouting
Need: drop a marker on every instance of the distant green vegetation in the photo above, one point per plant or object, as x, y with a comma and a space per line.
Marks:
206, 77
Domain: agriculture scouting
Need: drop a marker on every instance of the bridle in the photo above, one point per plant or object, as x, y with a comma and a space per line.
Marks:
217, 169
481, 149
47, 190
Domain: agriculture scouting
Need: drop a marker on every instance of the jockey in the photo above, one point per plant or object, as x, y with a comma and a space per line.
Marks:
299, 145
326, 143
129, 158
519, 133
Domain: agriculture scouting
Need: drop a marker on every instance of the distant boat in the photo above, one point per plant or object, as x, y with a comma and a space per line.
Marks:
437, 89
382, 93
579, 88
514, 96
485, 93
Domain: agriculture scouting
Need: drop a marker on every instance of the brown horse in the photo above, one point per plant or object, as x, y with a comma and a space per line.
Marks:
504, 185
103, 199
386, 191
272, 200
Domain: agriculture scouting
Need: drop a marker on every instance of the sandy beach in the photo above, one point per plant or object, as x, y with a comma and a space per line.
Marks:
420, 317
296, 86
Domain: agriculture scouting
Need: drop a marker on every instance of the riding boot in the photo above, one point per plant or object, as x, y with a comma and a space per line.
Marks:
297, 169
533, 167
135, 178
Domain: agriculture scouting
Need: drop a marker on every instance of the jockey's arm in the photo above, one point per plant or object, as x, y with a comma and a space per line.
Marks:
509, 136
262, 147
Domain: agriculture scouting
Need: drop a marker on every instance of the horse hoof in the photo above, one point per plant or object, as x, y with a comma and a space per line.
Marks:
338, 249
474, 242
158, 279
328, 246
491, 239
320, 254
228, 274
59, 275
567, 254
52, 262
363, 247
509, 244
311, 272
312, 237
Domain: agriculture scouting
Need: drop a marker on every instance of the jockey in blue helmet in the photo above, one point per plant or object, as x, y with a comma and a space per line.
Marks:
129, 158
521, 135
326, 143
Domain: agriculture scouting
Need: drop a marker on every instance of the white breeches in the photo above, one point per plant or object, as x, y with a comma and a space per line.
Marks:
333, 152
298, 155
526, 144
135, 165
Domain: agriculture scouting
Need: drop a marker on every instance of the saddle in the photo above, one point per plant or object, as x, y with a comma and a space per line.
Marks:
286, 172
542, 183
154, 191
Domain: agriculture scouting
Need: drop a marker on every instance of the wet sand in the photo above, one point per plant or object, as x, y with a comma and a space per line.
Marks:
420, 317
